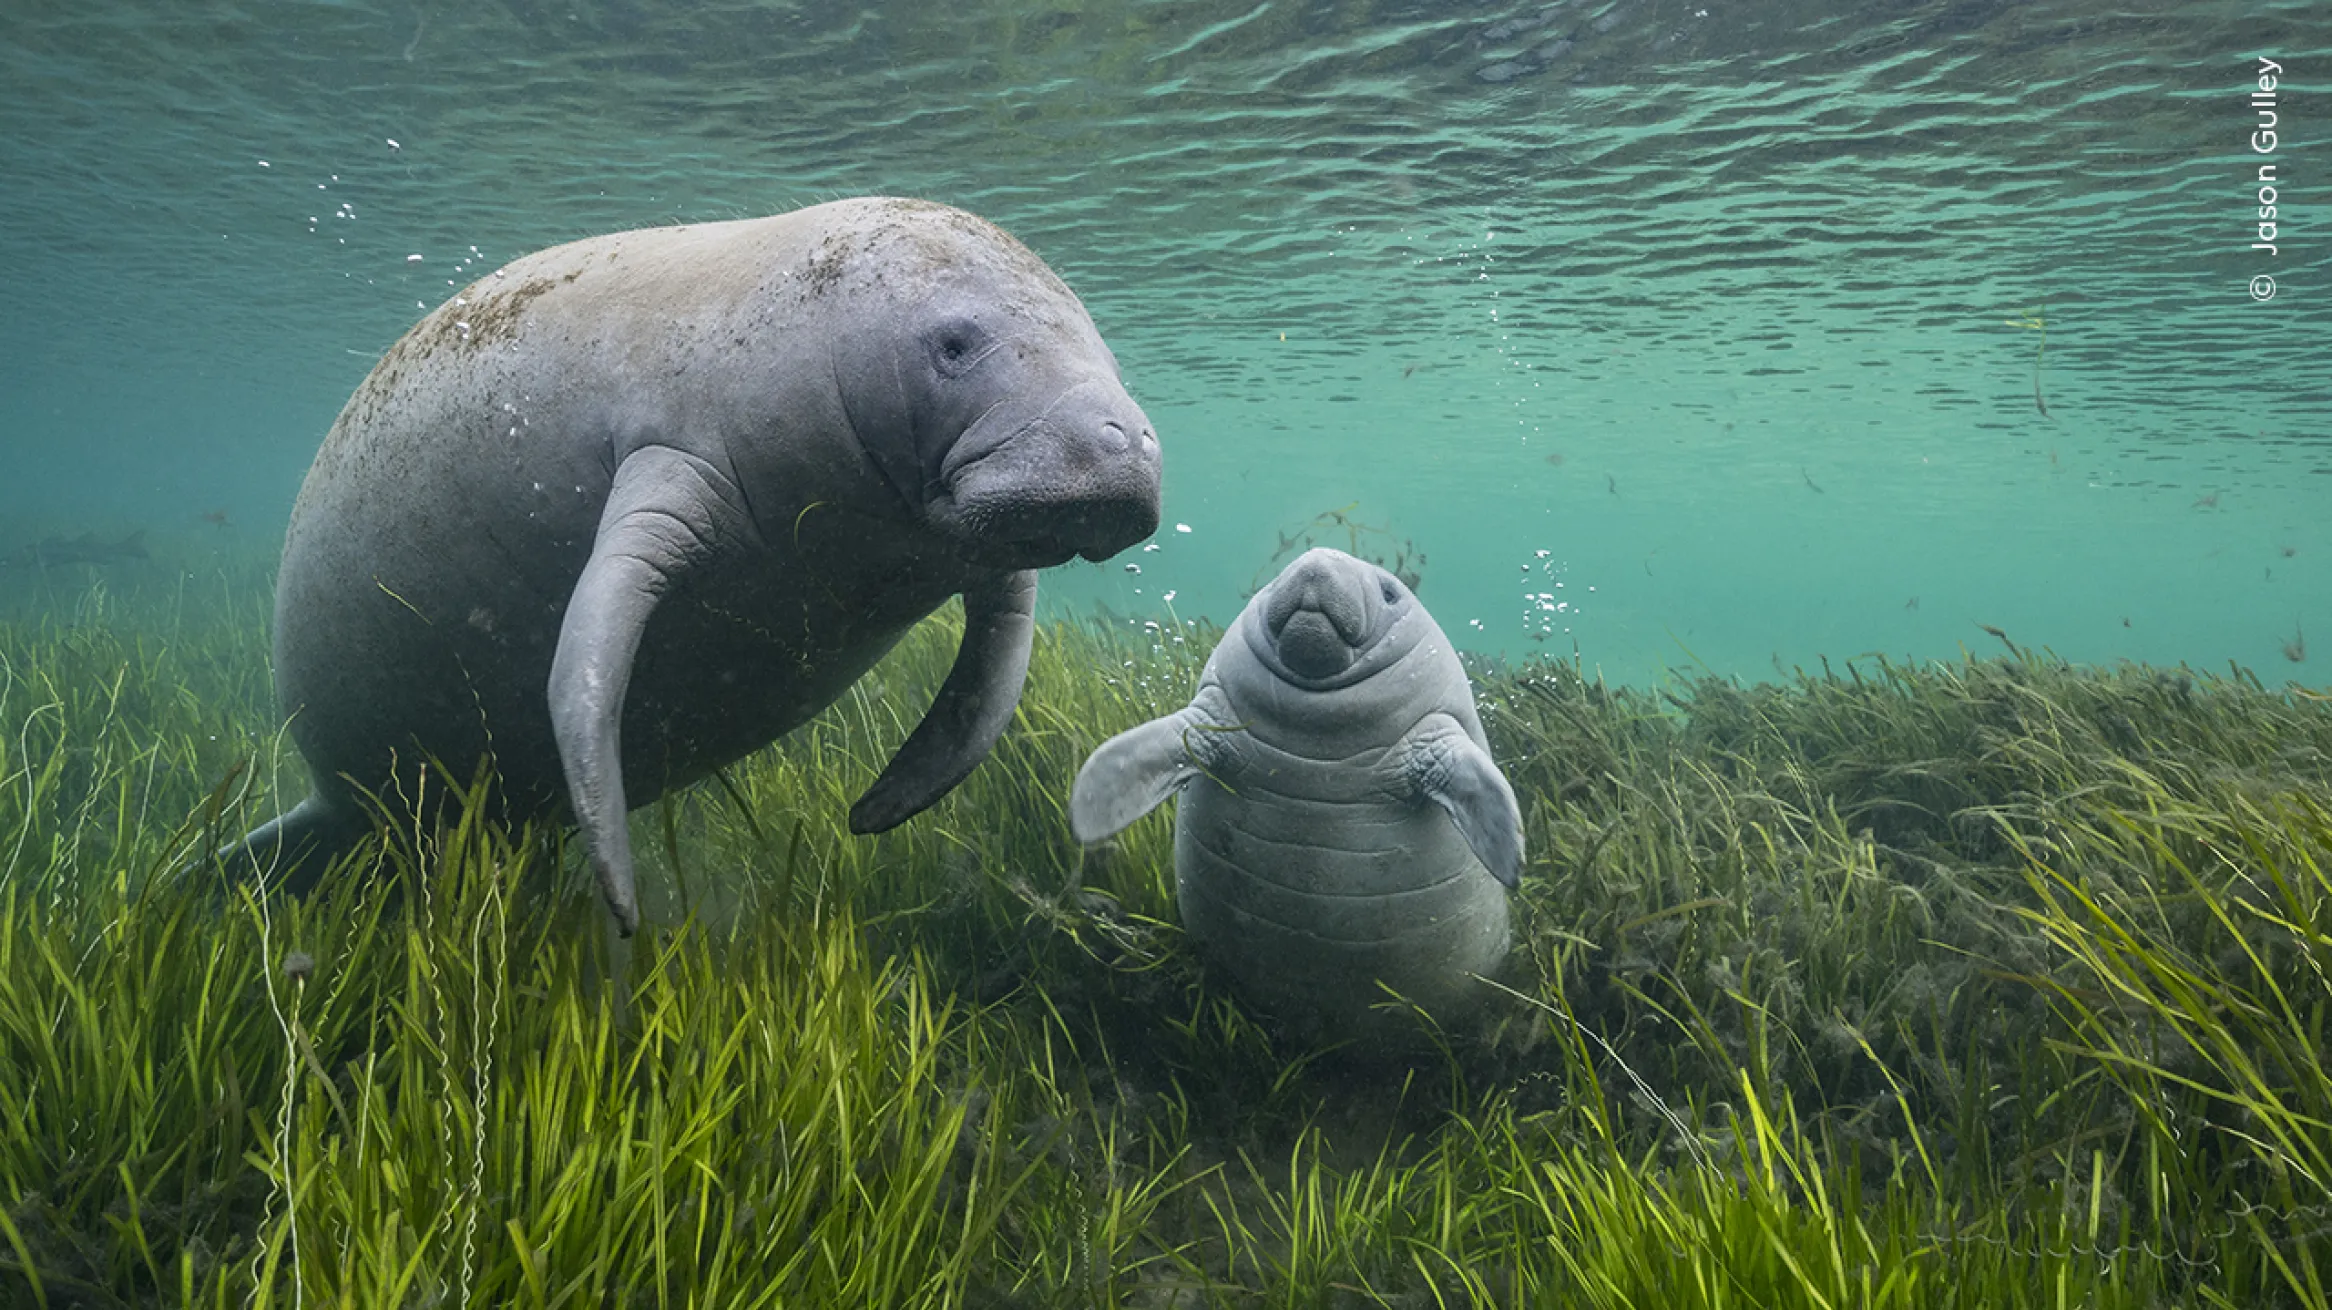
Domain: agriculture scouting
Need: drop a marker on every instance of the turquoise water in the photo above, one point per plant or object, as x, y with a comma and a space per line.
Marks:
1675, 334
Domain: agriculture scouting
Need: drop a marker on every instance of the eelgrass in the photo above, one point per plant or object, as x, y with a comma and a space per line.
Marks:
1991, 983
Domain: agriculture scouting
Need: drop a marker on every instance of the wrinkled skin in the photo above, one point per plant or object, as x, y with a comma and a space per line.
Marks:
1341, 823
631, 508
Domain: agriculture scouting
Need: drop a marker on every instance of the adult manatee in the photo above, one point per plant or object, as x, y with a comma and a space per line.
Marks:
630, 508
1341, 821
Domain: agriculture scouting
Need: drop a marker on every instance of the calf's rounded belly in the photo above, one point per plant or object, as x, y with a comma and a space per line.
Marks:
1312, 905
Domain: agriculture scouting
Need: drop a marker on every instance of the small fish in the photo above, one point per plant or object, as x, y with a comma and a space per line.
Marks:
2296, 650
84, 549
1810, 482
2287, 551
2125, 620
1611, 483
1556, 459
217, 518
2210, 501
1911, 604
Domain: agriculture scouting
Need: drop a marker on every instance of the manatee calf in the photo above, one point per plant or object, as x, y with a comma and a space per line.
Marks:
630, 508
1341, 821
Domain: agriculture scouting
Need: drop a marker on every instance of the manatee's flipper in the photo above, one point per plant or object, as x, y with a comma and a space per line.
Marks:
665, 512
1129, 775
971, 710
1444, 766
294, 849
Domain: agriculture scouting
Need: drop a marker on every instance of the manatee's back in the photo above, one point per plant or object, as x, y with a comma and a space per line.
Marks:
453, 505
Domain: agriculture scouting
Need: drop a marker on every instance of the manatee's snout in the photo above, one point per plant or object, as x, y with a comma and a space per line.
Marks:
1113, 475
1318, 614
1081, 478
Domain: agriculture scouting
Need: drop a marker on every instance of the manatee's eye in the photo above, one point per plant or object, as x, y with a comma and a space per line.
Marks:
956, 346
1385, 585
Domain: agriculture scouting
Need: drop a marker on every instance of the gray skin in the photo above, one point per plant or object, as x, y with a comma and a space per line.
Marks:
1341, 821
633, 507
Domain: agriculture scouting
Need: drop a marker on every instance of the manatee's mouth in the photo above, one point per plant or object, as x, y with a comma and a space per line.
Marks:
1016, 530
1079, 479
1318, 618
1310, 644
1036, 552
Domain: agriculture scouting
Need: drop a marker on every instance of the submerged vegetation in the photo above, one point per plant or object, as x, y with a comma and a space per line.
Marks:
1994, 983
1340, 528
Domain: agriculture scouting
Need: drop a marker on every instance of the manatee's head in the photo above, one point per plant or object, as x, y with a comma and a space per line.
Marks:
982, 390
1329, 620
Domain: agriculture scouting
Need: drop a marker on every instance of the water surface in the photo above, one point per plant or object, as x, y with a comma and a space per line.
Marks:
1678, 334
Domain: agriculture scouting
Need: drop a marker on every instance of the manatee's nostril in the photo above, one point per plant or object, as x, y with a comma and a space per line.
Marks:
1118, 438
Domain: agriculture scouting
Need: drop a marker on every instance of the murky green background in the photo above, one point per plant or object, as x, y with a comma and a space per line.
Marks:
1718, 315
